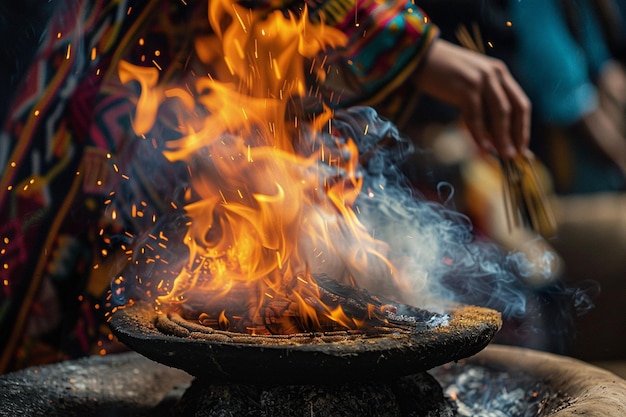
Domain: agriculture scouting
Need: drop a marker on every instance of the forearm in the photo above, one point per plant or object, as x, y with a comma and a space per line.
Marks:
387, 42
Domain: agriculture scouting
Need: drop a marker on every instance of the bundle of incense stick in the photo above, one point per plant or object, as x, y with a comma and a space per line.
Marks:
525, 202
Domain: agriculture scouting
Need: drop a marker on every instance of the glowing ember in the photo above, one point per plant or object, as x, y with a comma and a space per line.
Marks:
272, 183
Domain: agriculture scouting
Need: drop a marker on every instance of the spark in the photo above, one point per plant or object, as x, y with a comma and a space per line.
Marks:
228, 64
243, 26
279, 260
223, 197
276, 69
69, 51
239, 49
323, 62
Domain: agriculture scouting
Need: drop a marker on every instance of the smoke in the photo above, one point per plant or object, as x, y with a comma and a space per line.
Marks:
437, 256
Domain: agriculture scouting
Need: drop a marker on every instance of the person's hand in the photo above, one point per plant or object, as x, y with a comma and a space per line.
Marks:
492, 104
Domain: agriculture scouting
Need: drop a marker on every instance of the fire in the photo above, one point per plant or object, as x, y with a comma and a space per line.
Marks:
272, 186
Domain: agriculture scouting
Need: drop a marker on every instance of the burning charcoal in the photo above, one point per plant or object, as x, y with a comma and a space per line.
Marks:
359, 303
336, 307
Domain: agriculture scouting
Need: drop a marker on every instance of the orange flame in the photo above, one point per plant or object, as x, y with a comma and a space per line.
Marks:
264, 216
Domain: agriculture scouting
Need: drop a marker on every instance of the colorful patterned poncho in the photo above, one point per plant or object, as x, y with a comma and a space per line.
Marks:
74, 173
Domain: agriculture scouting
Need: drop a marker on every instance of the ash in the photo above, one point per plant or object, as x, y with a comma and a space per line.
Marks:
478, 391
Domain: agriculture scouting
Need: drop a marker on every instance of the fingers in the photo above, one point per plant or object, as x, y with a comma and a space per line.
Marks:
521, 113
499, 112
502, 117
474, 117
495, 109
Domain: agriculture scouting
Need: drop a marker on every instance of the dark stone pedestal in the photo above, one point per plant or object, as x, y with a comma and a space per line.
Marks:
411, 396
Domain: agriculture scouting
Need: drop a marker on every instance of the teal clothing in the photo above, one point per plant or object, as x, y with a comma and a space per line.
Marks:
555, 69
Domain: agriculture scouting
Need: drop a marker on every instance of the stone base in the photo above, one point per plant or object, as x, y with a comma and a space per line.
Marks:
411, 396
130, 385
